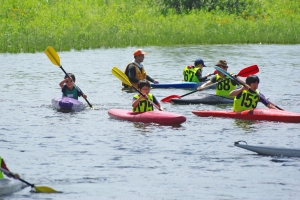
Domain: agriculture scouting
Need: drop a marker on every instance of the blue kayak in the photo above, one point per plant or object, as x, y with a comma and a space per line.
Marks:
180, 85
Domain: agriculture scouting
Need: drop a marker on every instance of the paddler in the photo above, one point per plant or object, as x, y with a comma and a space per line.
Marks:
224, 85
140, 103
193, 73
68, 89
135, 69
245, 99
3, 166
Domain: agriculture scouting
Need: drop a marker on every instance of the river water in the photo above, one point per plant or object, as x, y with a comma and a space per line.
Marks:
87, 155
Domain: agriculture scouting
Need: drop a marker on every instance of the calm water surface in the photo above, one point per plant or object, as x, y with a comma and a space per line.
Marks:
87, 155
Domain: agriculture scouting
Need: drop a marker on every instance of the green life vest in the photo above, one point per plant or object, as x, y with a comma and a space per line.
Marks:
144, 105
1, 174
224, 87
247, 101
70, 93
189, 74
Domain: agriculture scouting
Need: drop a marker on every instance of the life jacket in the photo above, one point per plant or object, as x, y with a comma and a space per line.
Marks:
70, 93
247, 101
144, 105
224, 87
189, 73
140, 74
1, 174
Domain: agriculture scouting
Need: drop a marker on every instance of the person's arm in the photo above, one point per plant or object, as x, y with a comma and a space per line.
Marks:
131, 74
199, 76
80, 93
237, 91
62, 83
157, 103
135, 101
3, 165
151, 79
211, 81
264, 100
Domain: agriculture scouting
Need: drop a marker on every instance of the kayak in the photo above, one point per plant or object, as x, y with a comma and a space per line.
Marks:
180, 85
270, 151
256, 114
8, 186
158, 117
68, 104
210, 99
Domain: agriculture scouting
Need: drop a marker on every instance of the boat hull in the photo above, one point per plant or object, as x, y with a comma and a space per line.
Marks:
8, 186
270, 151
67, 104
210, 99
158, 117
256, 114
180, 85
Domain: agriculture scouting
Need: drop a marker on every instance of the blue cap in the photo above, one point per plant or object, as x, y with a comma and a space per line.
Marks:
199, 61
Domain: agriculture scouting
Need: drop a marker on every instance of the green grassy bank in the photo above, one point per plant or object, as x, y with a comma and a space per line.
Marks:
32, 25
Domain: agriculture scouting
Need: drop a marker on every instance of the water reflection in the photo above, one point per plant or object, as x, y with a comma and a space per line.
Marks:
246, 125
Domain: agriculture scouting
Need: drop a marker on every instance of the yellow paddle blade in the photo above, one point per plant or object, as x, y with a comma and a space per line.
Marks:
53, 56
120, 75
44, 189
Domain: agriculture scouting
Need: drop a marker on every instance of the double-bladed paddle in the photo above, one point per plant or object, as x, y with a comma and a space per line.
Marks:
54, 58
40, 189
123, 77
247, 71
243, 84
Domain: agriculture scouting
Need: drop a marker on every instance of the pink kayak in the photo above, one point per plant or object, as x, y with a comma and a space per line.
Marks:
158, 117
256, 114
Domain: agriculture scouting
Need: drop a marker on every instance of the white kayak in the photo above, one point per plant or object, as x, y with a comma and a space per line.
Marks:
8, 186
67, 104
270, 151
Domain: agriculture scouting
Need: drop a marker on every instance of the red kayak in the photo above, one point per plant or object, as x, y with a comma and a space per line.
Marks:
257, 114
158, 117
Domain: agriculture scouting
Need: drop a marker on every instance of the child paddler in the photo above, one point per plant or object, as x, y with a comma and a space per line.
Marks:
140, 103
247, 97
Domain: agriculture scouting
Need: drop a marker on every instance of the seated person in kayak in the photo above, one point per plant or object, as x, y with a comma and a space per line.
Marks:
3, 166
140, 103
247, 97
68, 89
194, 73
224, 85
135, 70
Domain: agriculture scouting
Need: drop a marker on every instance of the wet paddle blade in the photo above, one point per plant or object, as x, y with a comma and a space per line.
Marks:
53, 56
168, 98
44, 189
253, 69
120, 75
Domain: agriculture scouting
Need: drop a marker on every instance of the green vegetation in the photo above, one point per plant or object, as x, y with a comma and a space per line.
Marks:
32, 25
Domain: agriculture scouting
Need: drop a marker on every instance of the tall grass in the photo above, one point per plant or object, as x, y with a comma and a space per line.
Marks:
32, 25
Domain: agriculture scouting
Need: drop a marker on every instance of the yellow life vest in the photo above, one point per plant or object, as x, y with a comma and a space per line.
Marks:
247, 101
189, 74
224, 87
1, 174
144, 105
140, 74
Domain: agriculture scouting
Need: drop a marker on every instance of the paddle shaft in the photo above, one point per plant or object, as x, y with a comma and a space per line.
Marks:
243, 84
11, 174
75, 85
221, 80
146, 98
